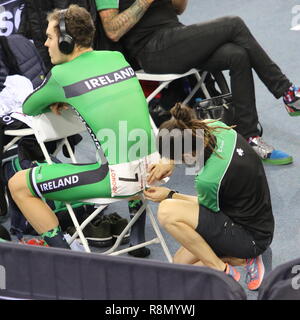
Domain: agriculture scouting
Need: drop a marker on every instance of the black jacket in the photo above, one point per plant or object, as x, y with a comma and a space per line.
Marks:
34, 23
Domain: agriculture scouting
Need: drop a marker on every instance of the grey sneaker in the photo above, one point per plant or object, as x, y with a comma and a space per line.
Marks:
267, 152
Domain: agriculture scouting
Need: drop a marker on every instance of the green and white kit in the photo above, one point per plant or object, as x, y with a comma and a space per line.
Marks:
107, 96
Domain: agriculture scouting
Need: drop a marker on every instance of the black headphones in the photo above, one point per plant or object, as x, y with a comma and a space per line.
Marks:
66, 42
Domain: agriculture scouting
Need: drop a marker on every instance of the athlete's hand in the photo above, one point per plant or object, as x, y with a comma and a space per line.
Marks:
156, 194
58, 107
159, 171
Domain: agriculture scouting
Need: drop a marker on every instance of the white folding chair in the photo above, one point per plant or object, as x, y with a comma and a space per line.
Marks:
165, 79
49, 127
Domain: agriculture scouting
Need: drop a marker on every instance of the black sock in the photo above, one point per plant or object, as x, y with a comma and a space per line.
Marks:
55, 238
137, 233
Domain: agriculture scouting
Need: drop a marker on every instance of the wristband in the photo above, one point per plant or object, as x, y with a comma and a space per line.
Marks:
170, 194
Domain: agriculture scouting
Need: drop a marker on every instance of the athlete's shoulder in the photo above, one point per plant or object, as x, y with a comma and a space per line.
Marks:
108, 53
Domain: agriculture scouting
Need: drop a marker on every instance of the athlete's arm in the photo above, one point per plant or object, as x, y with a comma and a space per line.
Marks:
117, 24
179, 5
45, 95
158, 194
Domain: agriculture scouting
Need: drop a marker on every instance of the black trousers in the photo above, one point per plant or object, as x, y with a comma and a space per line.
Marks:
222, 44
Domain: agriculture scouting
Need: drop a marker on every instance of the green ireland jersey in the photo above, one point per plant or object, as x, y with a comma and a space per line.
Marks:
103, 89
209, 178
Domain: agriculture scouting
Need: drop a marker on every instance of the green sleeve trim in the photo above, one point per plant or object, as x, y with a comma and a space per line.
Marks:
107, 4
16, 164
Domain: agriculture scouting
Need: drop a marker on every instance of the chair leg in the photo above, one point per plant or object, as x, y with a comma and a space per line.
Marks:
78, 229
200, 83
159, 237
86, 221
159, 234
125, 230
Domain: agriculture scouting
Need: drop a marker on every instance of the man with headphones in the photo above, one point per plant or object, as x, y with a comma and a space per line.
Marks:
104, 91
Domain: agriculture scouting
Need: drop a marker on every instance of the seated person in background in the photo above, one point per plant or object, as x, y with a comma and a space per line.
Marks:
152, 34
231, 217
16, 89
103, 89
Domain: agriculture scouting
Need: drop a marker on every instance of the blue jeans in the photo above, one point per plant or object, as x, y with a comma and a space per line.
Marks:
222, 44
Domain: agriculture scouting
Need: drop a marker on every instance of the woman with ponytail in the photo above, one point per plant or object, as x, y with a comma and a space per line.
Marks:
230, 221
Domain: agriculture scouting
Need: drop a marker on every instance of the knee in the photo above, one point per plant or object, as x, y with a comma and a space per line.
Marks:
237, 56
164, 214
17, 184
240, 55
236, 21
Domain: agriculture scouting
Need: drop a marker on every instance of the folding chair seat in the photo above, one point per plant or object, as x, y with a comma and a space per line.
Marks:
12, 145
50, 127
165, 79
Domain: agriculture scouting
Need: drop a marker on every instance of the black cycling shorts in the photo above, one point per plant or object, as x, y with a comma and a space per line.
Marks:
226, 238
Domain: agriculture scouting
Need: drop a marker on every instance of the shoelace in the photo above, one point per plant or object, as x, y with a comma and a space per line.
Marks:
230, 271
291, 94
252, 272
262, 145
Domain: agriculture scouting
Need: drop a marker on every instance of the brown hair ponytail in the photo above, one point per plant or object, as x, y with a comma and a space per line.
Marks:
183, 117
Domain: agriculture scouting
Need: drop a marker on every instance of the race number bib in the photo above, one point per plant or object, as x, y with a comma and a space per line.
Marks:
129, 178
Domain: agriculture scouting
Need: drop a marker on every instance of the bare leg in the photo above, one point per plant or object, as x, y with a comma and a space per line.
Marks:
35, 210
180, 219
183, 256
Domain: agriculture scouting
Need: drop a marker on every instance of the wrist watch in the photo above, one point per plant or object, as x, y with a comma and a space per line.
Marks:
170, 194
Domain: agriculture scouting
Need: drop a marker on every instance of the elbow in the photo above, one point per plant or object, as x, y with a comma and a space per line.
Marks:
179, 12
113, 36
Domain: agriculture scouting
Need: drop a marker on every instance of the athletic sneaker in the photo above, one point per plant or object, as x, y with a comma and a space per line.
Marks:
97, 232
118, 224
232, 272
267, 153
35, 242
255, 272
291, 100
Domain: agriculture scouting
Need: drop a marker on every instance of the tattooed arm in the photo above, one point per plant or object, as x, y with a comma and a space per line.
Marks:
117, 24
179, 5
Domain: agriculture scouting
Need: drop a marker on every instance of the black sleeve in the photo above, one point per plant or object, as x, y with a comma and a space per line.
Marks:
3, 73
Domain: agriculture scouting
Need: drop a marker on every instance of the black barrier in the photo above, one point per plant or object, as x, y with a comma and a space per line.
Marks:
28, 272
10, 14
